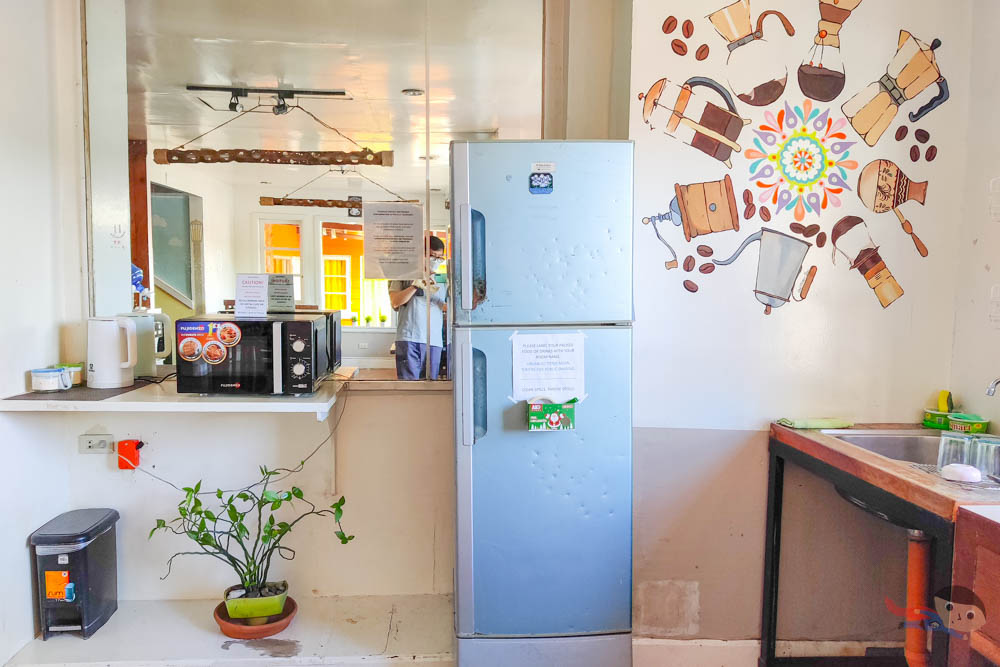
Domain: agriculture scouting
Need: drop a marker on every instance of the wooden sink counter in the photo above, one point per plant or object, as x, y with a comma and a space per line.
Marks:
899, 478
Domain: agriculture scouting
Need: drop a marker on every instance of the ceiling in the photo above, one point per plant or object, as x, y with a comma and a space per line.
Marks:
485, 78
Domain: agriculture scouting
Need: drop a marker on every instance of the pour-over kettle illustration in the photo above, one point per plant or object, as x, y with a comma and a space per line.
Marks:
778, 267
912, 70
690, 117
756, 70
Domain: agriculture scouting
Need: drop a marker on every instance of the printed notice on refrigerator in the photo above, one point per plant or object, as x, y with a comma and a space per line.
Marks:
394, 241
548, 366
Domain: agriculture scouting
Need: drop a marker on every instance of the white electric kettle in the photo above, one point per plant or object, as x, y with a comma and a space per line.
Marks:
112, 352
145, 331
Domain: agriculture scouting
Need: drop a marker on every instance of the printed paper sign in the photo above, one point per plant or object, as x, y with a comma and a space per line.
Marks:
548, 366
258, 294
280, 293
394, 241
251, 295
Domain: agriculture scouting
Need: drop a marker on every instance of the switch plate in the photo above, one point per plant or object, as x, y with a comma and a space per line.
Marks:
96, 443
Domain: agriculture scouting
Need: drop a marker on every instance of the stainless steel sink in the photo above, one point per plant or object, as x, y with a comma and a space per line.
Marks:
916, 446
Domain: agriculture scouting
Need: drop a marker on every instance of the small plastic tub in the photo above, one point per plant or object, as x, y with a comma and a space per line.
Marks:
966, 423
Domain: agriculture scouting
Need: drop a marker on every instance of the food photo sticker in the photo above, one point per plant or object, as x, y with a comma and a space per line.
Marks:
189, 348
229, 334
214, 352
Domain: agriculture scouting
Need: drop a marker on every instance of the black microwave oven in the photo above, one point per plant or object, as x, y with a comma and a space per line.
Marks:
276, 354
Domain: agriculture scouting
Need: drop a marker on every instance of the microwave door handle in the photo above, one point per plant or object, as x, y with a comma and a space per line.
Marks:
276, 360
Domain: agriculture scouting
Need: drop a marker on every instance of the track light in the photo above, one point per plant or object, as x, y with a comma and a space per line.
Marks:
280, 107
234, 104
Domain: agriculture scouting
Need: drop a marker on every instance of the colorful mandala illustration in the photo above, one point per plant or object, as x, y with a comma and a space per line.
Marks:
800, 160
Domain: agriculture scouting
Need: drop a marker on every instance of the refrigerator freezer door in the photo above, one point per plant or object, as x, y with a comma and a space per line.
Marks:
542, 255
544, 518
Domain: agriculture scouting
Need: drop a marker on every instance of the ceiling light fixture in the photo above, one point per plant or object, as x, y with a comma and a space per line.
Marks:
280, 108
234, 103
413, 92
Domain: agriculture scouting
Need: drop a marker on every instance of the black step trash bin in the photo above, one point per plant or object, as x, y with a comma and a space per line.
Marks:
77, 568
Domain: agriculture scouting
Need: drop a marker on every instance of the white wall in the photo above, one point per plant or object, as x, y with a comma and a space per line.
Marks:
43, 254
218, 209
713, 357
977, 295
711, 369
396, 475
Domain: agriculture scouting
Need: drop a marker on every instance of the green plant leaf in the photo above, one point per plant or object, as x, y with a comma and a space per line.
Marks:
160, 523
243, 496
275, 505
218, 494
234, 516
338, 514
197, 487
210, 515
297, 492
270, 496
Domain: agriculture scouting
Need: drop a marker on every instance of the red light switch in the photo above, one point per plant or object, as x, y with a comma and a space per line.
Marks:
128, 454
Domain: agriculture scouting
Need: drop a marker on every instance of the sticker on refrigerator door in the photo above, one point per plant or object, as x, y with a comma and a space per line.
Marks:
544, 415
543, 167
540, 183
548, 366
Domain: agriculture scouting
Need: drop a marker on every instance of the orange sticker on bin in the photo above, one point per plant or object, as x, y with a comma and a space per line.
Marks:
55, 584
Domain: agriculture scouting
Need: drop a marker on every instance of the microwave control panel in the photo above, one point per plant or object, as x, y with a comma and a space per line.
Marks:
299, 357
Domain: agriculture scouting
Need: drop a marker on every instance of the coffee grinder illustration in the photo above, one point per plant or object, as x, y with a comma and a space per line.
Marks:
821, 74
911, 71
850, 238
699, 209
684, 114
755, 67
778, 267
883, 187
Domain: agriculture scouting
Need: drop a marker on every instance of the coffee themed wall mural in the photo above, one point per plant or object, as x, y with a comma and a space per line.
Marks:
787, 165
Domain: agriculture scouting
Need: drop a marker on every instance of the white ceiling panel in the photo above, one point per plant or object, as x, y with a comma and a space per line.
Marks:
485, 77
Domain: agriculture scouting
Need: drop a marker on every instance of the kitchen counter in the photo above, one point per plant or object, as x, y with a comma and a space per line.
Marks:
899, 478
893, 490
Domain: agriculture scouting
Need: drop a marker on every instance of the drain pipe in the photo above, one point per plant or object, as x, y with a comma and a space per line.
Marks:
918, 562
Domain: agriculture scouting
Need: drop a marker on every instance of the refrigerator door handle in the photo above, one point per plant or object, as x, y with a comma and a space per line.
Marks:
468, 414
465, 213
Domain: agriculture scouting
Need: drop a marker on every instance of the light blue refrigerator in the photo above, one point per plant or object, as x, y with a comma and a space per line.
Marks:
542, 243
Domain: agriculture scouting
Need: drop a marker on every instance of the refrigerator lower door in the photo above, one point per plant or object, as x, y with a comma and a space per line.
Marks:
589, 651
544, 519
527, 255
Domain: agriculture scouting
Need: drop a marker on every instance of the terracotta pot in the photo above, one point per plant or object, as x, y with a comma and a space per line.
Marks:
237, 628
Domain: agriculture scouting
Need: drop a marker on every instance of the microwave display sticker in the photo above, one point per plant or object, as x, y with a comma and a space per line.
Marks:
207, 340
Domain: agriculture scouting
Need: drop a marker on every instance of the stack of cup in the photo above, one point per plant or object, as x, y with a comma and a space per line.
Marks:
955, 448
985, 454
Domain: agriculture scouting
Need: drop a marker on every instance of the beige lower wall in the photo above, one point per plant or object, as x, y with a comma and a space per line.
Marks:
699, 515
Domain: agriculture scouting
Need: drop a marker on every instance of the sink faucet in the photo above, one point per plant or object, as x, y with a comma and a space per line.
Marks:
992, 389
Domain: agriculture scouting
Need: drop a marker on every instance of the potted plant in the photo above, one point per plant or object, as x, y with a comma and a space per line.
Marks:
382, 317
241, 529
354, 320
368, 320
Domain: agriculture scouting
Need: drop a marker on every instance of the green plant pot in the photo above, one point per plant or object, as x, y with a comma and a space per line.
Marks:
262, 607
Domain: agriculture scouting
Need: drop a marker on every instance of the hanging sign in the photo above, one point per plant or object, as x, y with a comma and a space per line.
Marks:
394, 241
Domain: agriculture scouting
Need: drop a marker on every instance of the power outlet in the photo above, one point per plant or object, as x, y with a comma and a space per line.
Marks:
96, 443
362, 346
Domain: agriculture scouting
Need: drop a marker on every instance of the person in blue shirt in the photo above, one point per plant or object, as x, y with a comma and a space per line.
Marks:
411, 299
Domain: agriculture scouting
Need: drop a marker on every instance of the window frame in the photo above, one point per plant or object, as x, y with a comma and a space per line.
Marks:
307, 250
346, 259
